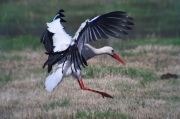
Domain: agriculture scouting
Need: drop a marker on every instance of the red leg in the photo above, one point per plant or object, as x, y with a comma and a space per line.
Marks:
84, 88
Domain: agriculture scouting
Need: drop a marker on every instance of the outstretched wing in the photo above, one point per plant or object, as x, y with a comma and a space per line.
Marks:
56, 41
113, 24
54, 37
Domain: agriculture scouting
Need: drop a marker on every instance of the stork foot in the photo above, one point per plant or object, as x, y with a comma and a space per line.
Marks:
103, 94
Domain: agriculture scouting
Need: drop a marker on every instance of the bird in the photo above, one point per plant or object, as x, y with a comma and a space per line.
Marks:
67, 55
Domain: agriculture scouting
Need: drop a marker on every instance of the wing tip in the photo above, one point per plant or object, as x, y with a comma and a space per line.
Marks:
59, 15
129, 18
62, 20
61, 10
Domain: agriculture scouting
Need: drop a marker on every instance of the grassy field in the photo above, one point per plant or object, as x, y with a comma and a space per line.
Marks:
152, 17
151, 49
137, 88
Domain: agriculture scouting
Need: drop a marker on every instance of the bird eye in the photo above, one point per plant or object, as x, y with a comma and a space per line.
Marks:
112, 50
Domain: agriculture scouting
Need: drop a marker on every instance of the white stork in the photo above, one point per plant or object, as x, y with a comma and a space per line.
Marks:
69, 53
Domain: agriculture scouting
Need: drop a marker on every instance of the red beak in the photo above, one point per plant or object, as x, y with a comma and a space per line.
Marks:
114, 55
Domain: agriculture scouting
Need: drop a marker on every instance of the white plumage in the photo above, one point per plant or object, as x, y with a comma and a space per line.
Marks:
53, 79
70, 53
59, 33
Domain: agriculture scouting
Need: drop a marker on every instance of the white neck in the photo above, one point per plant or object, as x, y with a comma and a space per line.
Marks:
96, 51
89, 51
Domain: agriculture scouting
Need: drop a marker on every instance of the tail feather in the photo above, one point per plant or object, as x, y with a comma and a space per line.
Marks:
53, 79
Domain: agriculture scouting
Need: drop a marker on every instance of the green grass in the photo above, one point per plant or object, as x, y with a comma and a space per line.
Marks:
131, 54
130, 44
11, 58
124, 87
139, 89
53, 105
145, 76
100, 114
92, 72
174, 81
151, 94
20, 43
5, 78
14, 104
19, 18
22, 24
81, 114
22, 17
174, 100
109, 114
30, 42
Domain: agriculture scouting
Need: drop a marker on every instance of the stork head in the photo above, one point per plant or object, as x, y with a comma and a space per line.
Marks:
110, 51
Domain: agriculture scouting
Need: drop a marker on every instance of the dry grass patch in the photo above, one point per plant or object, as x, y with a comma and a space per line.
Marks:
137, 89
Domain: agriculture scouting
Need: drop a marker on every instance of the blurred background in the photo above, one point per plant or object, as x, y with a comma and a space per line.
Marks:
157, 18
151, 49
